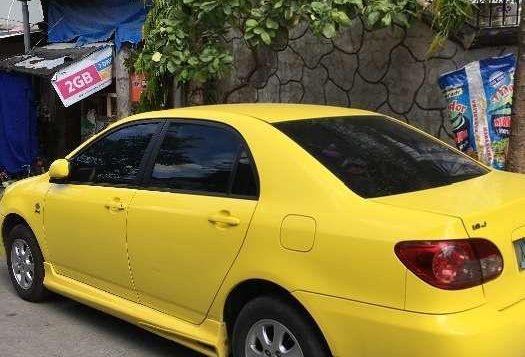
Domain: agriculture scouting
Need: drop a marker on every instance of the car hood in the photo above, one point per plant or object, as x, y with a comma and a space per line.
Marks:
491, 207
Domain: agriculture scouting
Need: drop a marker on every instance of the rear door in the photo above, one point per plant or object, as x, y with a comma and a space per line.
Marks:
187, 226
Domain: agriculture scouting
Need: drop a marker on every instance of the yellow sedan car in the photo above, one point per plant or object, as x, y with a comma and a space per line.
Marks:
279, 230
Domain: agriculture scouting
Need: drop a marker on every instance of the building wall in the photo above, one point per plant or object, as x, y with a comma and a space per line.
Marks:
385, 70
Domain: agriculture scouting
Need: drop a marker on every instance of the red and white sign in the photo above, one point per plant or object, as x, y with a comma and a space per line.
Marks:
82, 79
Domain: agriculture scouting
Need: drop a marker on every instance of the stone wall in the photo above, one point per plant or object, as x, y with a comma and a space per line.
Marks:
385, 71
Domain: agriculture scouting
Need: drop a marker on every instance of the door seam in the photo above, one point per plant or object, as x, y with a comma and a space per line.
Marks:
132, 280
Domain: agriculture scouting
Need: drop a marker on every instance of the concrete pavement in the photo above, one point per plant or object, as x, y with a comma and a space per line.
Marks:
63, 328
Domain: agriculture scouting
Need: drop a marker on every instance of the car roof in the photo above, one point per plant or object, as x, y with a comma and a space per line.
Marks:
270, 113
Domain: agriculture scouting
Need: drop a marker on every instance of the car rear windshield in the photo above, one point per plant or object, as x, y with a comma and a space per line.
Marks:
376, 156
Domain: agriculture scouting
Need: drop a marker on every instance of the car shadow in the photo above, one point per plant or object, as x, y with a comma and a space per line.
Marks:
134, 337
120, 331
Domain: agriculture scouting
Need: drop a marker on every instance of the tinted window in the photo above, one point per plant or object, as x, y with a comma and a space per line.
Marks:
375, 156
245, 183
195, 157
114, 159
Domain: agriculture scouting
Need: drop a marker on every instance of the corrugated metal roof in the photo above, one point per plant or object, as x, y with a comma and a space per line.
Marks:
9, 33
46, 61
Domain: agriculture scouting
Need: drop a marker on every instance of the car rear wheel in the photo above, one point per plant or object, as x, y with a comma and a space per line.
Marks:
25, 264
272, 327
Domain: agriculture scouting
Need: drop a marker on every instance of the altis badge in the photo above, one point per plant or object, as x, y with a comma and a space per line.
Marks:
479, 226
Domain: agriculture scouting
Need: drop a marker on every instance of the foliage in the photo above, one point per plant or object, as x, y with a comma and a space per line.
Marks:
449, 16
184, 38
385, 13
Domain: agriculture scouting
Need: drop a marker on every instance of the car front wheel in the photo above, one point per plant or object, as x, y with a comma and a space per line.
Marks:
25, 264
273, 327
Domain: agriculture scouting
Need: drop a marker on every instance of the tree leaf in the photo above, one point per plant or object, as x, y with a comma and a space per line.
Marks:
251, 23
387, 19
171, 67
265, 37
329, 30
272, 24
373, 17
342, 18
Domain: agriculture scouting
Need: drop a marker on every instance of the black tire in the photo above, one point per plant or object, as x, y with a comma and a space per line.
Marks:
36, 292
296, 321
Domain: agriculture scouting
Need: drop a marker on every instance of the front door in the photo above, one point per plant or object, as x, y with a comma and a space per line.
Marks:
188, 225
85, 217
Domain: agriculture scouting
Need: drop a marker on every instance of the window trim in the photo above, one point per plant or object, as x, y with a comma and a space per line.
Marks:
133, 185
148, 169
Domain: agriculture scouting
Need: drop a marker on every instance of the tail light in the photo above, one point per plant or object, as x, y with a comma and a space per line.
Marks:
452, 264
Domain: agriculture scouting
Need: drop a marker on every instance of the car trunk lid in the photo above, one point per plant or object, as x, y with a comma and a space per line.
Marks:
492, 207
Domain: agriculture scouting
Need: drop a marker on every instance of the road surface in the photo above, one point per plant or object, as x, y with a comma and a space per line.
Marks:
63, 328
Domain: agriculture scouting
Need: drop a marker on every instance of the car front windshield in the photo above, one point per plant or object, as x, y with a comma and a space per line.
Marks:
376, 156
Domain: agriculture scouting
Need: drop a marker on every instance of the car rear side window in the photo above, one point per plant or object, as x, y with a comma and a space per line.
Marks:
376, 156
114, 159
245, 180
196, 158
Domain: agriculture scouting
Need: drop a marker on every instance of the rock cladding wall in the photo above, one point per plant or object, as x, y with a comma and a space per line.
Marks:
385, 71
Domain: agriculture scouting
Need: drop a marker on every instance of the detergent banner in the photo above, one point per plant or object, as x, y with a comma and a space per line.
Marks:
84, 78
479, 98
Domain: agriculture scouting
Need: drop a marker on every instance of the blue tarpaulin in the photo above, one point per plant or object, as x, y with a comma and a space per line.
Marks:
96, 21
18, 123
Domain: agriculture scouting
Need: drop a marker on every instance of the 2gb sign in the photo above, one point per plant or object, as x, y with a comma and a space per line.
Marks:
85, 77
78, 82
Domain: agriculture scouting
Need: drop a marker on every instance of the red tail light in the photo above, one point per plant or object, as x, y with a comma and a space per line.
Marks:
452, 264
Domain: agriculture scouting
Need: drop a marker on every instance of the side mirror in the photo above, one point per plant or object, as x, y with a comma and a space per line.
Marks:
59, 169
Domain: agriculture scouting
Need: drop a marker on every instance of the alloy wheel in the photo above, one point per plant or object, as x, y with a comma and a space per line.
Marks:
22, 264
270, 338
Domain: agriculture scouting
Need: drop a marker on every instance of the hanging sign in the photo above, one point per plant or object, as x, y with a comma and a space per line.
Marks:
83, 78
479, 98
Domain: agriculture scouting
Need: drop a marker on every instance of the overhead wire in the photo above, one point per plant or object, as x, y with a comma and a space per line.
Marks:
8, 20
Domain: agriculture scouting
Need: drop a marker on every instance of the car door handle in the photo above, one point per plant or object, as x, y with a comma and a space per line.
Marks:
221, 219
114, 206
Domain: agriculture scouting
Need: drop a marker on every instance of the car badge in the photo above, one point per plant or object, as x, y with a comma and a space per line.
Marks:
478, 226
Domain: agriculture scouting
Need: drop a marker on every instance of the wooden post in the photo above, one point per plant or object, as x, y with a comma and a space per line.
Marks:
177, 94
516, 158
27, 29
123, 83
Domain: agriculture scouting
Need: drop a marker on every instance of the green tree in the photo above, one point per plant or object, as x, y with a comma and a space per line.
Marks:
184, 38
448, 16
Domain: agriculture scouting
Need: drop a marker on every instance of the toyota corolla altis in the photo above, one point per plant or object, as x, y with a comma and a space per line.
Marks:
279, 230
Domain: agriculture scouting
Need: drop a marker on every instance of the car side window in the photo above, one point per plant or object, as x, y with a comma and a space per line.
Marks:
114, 159
197, 158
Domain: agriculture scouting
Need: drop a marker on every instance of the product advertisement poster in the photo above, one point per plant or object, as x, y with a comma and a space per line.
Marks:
479, 98
82, 79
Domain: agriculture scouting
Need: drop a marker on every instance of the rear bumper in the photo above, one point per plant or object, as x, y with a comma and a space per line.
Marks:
362, 330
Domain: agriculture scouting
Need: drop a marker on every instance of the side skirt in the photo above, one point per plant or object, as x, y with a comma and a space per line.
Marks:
208, 338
